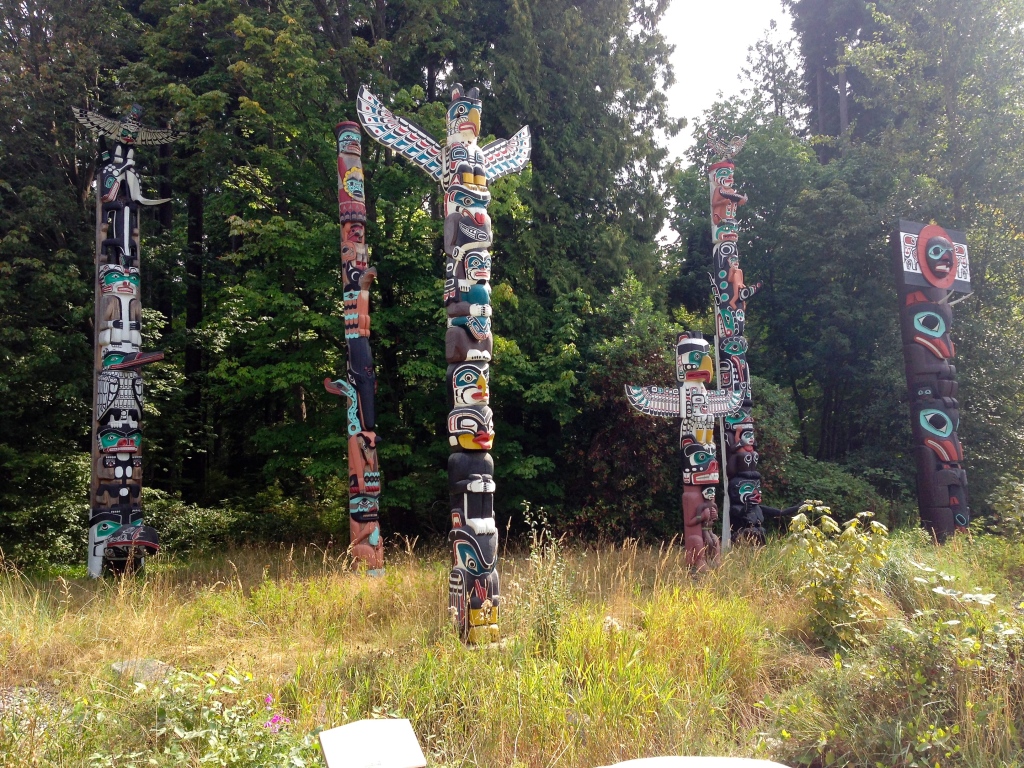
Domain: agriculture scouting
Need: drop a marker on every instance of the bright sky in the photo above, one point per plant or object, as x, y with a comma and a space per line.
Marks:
711, 43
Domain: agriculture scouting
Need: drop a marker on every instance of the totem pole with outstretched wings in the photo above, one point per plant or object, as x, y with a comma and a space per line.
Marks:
464, 169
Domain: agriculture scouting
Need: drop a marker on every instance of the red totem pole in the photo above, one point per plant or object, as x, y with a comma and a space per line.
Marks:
360, 385
931, 265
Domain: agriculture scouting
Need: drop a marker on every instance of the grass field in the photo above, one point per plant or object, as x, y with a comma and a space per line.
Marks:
610, 653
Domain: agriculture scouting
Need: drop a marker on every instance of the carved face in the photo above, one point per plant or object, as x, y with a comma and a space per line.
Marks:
700, 467
354, 232
478, 265
472, 203
464, 115
469, 384
115, 278
724, 177
352, 183
936, 256
475, 554
350, 141
727, 230
363, 508
119, 437
747, 491
693, 360
471, 428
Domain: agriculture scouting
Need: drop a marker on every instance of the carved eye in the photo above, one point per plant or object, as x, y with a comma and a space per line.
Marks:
936, 422
937, 251
930, 324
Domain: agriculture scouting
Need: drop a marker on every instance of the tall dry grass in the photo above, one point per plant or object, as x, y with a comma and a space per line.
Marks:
609, 653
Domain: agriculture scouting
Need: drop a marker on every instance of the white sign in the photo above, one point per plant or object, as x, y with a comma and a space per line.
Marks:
372, 744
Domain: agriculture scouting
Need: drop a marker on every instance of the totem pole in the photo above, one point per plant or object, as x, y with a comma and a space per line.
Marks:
464, 169
361, 385
691, 401
931, 265
117, 538
743, 515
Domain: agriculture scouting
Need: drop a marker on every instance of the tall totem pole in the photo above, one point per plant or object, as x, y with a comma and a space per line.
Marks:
690, 401
743, 509
931, 265
117, 537
464, 170
360, 385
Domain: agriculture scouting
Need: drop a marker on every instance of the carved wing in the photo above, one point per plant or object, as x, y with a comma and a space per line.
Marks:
158, 135
97, 123
506, 156
403, 136
108, 385
726, 149
655, 401
725, 402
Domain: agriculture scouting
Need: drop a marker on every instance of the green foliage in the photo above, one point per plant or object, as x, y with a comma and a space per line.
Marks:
545, 601
218, 719
804, 476
938, 686
44, 507
625, 465
241, 274
1008, 502
835, 572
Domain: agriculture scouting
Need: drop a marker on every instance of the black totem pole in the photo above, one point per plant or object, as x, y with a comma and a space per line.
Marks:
931, 266
464, 169
117, 538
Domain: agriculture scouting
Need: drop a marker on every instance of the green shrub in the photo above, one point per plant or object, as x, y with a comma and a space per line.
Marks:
44, 507
942, 687
835, 570
1008, 502
806, 478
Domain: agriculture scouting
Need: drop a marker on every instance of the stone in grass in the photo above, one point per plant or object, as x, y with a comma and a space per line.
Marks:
142, 670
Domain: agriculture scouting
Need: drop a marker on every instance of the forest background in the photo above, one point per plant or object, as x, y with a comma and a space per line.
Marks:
894, 109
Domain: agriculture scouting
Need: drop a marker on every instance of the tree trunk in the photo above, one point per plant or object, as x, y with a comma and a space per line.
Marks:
844, 107
194, 469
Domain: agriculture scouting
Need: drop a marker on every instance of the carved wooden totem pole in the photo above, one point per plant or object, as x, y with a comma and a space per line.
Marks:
117, 538
464, 169
743, 512
691, 401
931, 265
360, 384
